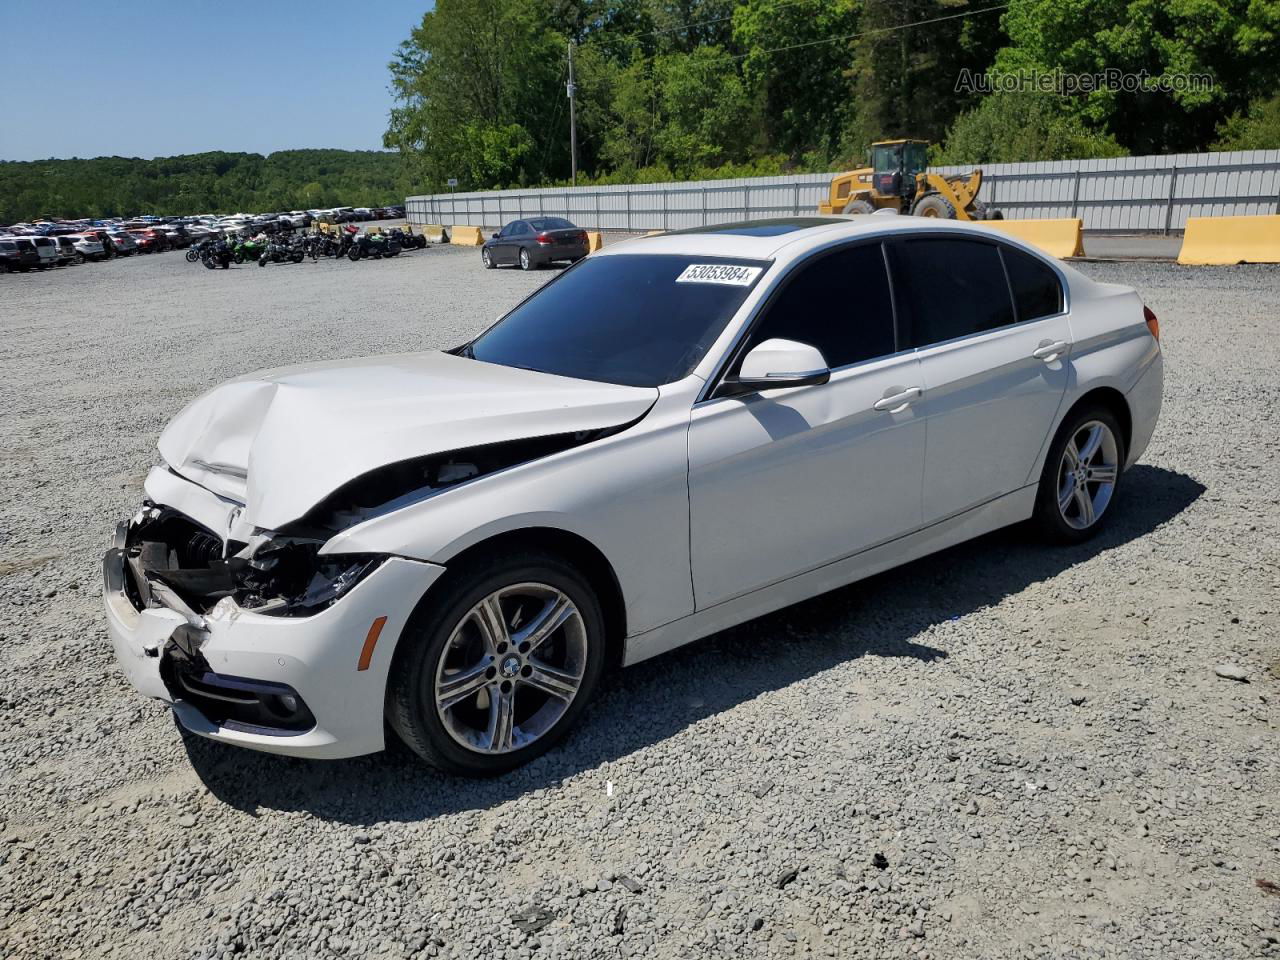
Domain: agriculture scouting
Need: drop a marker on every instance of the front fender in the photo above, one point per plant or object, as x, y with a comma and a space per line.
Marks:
626, 494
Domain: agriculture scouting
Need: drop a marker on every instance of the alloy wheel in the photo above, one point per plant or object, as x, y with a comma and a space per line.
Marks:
511, 669
1087, 474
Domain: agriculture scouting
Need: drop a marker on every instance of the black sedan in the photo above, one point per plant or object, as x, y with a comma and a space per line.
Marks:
535, 241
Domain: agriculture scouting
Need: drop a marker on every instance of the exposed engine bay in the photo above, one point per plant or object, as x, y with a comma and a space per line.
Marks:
168, 555
174, 561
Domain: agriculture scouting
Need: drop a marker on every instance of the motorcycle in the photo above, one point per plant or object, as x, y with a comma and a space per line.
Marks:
246, 251
279, 250
196, 250
217, 255
408, 241
373, 246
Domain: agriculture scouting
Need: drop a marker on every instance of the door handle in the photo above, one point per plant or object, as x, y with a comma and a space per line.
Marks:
1049, 352
898, 401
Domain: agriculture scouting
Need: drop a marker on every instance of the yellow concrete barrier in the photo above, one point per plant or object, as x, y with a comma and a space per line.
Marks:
467, 236
595, 240
372, 229
434, 232
1059, 238
1229, 240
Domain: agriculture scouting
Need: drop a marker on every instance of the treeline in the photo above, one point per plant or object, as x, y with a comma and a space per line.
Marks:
672, 89
200, 183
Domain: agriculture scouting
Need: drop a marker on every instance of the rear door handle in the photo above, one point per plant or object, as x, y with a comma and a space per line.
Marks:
1049, 352
898, 401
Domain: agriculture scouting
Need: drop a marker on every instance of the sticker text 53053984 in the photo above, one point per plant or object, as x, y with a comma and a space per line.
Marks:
728, 273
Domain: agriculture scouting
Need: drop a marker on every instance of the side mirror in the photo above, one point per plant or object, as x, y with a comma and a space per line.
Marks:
495, 236
777, 364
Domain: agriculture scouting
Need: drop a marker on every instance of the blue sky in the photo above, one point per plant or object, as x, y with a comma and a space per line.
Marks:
150, 78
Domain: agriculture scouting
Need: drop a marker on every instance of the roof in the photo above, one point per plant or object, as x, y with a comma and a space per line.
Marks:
784, 237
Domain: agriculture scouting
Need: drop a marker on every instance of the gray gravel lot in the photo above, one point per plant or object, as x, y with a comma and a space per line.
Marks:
1002, 751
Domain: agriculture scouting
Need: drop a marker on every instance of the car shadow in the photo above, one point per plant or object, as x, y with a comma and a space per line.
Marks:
642, 705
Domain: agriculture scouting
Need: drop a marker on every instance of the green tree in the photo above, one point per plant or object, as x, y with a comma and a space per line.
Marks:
909, 56
1234, 42
799, 75
1021, 127
1258, 128
476, 83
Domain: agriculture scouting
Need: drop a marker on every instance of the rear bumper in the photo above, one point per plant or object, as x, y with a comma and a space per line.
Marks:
552, 254
316, 657
1145, 397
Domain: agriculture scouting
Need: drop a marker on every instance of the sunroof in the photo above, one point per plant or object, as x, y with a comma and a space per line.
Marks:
763, 228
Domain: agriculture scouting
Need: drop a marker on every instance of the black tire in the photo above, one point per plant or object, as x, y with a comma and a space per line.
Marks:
487, 259
410, 704
934, 205
353, 254
192, 256
1049, 515
859, 207
526, 262
209, 264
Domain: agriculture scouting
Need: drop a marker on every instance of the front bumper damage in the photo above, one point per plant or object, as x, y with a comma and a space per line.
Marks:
301, 685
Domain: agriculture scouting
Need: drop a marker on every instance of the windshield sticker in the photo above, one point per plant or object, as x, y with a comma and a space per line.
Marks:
725, 273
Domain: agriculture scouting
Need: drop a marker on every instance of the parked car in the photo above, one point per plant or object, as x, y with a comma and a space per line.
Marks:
124, 243
103, 236
679, 434
150, 240
89, 246
67, 252
534, 243
47, 248
18, 253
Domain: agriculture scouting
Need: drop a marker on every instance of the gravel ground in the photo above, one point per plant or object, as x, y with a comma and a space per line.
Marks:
1001, 751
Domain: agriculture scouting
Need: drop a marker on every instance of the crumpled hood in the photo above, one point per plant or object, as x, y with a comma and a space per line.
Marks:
280, 440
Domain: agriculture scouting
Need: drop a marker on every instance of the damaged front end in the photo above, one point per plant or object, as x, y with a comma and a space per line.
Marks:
162, 560
173, 561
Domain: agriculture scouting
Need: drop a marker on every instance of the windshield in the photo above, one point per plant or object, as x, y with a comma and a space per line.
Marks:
551, 223
634, 319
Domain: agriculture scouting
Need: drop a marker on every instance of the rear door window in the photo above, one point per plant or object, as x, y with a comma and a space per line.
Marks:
814, 307
950, 287
1037, 291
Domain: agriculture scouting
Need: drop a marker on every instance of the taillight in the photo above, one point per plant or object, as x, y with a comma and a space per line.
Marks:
543, 238
1152, 323
582, 237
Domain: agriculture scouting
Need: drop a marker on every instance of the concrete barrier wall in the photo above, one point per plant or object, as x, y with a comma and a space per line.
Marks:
1126, 194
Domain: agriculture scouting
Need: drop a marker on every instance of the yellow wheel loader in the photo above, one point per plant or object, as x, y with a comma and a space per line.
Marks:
898, 179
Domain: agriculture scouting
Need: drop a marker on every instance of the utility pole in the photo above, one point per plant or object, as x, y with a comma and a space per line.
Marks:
570, 89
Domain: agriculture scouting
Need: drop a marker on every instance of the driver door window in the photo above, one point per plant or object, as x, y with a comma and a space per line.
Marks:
785, 481
839, 303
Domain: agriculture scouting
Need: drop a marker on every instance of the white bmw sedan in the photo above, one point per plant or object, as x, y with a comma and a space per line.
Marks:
676, 435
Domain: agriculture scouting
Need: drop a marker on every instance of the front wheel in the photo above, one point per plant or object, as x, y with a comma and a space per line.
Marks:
1080, 477
192, 256
934, 205
487, 259
353, 254
497, 666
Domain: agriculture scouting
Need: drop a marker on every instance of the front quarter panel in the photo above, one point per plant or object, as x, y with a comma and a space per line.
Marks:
626, 494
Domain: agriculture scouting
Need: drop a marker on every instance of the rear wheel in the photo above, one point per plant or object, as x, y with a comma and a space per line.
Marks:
526, 263
934, 205
497, 666
1080, 476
